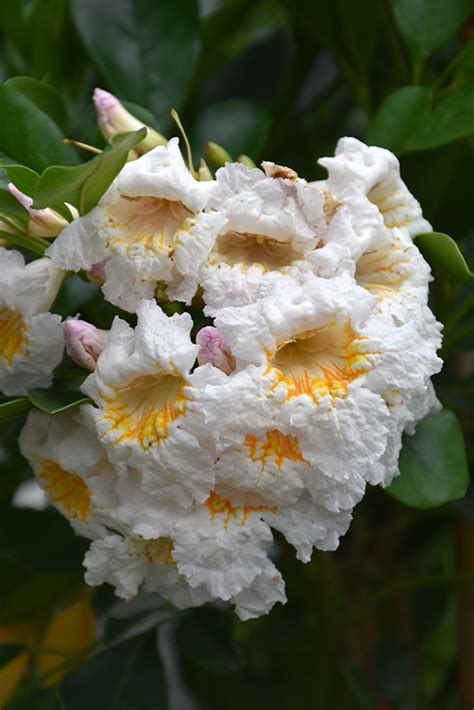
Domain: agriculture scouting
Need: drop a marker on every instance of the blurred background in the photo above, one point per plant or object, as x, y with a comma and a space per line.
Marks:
388, 620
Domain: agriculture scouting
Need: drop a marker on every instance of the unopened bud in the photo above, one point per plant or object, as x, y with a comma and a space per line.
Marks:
96, 273
213, 350
216, 155
43, 223
245, 160
114, 118
84, 342
204, 173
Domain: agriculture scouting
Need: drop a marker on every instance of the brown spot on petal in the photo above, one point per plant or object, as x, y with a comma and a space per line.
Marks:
330, 207
279, 171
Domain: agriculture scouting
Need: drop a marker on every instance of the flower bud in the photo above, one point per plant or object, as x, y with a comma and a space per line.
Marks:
245, 160
213, 350
216, 155
84, 342
114, 118
43, 223
204, 173
96, 273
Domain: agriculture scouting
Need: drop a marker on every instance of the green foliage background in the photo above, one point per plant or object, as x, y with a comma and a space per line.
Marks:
386, 622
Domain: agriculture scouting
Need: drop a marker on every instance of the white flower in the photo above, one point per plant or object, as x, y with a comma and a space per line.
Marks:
72, 468
319, 359
149, 227
31, 339
406, 410
328, 360
376, 172
140, 389
272, 222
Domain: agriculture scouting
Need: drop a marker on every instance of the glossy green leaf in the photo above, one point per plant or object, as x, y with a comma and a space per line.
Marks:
129, 675
8, 652
146, 50
407, 121
29, 135
84, 185
56, 401
444, 255
25, 179
451, 118
400, 119
238, 126
45, 96
433, 466
426, 25
10, 207
12, 408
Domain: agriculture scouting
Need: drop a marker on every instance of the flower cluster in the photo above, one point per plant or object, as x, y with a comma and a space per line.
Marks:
315, 357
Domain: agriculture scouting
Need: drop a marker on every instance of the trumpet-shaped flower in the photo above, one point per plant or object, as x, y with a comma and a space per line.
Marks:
329, 360
376, 172
141, 392
72, 468
281, 412
31, 339
273, 221
149, 226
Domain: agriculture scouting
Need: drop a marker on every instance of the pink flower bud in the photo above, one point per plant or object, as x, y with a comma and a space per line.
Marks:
96, 273
84, 342
114, 118
43, 223
212, 349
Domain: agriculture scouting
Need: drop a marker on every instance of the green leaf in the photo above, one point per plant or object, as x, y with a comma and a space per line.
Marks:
205, 637
400, 118
34, 244
84, 185
146, 50
10, 207
129, 675
12, 408
43, 95
56, 401
426, 25
9, 651
407, 121
433, 465
29, 135
451, 119
23, 178
238, 126
444, 255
